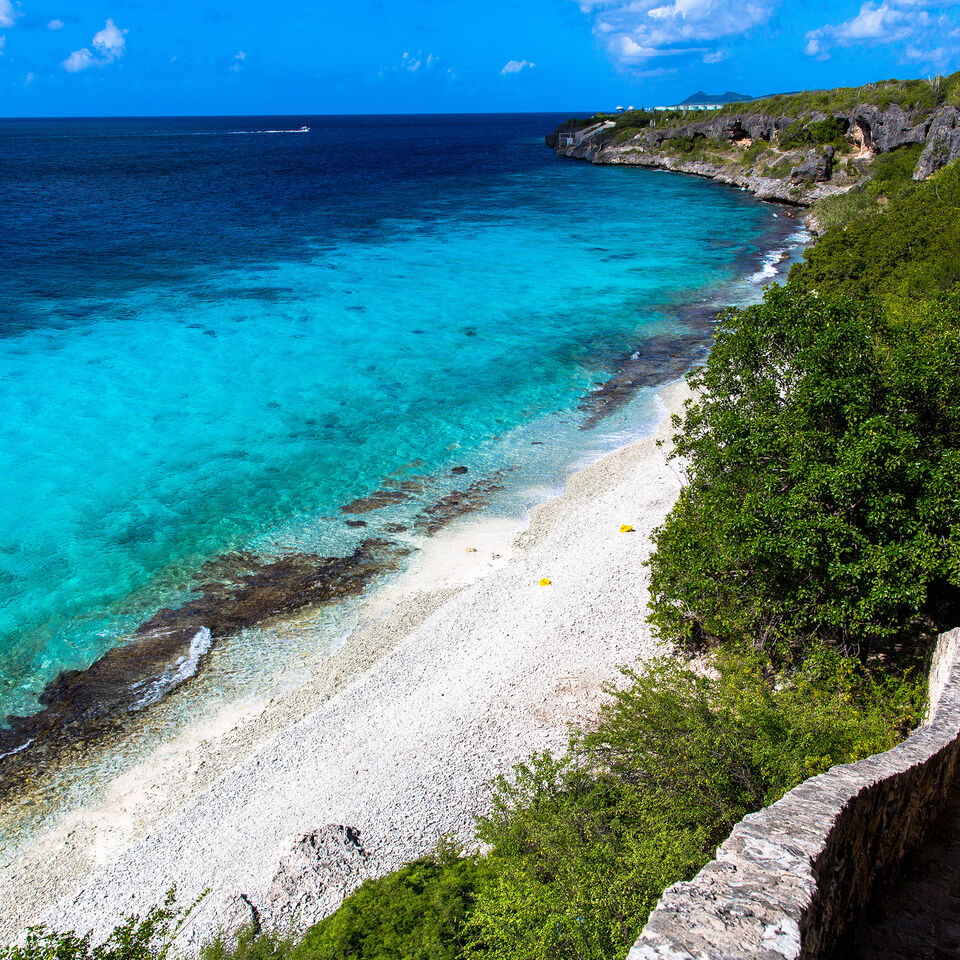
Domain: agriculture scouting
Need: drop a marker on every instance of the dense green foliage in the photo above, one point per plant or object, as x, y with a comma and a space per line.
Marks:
417, 913
803, 132
824, 455
904, 249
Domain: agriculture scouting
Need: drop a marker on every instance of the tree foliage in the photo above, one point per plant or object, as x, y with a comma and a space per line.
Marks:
907, 249
823, 456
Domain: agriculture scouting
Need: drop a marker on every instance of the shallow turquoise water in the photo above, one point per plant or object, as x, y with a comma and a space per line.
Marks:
182, 376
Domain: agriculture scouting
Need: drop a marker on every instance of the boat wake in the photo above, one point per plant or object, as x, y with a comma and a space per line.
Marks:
303, 129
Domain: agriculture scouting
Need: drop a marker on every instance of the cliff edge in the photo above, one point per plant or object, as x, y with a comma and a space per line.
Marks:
796, 158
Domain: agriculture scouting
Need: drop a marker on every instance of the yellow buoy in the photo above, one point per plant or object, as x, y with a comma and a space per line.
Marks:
545, 582
626, 528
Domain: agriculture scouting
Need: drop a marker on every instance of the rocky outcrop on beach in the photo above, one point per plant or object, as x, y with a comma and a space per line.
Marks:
750, 151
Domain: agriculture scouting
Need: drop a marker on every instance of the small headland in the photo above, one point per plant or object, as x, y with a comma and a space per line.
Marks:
795, 149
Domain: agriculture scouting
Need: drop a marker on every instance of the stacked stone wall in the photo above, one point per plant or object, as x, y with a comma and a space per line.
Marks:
791, 877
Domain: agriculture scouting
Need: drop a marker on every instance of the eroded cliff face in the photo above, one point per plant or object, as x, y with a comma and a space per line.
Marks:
745, 150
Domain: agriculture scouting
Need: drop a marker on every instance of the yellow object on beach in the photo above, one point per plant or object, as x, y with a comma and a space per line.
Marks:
626, 528
545, 582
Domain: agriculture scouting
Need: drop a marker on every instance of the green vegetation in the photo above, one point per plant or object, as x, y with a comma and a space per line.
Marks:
813, 553
418, 913
903, 245
805, 132
135, 938
921, 95
824, 455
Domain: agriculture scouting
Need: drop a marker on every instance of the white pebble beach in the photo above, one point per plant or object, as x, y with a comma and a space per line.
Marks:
440, 690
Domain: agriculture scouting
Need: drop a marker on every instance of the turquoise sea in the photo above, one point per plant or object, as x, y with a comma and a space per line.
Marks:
214, 333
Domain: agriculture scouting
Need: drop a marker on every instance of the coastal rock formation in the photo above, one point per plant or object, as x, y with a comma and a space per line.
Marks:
239, 590
943, 143
315, 876
816, 167
750, 150
884, 130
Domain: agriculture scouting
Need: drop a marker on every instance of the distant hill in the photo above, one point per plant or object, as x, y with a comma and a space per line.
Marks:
728, 97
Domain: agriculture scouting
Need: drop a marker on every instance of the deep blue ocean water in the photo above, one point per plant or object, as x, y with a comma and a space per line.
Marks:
213, 333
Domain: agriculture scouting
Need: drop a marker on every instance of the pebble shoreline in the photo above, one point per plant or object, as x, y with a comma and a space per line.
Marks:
395, 744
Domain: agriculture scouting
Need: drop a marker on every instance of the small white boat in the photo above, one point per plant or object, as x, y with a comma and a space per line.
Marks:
304, 129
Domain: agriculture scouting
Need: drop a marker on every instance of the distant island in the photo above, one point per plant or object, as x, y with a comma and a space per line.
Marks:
704, 99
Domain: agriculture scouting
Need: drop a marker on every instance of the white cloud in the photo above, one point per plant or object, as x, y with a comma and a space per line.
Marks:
3, 43
79, 60
29, 78
515, 66
8, 13
238, 58
634, 31
55, 24
908, 23
109, 44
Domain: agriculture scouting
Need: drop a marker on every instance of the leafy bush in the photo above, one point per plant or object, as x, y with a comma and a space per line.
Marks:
136, 938
823, 452
417, 913
251, 943
907, 249
801, 133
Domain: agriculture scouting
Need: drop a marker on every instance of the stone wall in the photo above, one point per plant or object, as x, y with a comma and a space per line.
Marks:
790, 877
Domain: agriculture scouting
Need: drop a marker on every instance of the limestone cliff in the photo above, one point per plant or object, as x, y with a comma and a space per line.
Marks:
766, 154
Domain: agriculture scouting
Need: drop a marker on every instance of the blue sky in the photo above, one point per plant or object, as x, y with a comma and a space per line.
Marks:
140, 57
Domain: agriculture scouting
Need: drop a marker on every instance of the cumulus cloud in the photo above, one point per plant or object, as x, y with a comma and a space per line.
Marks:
238, 59
8, 13
55, 24
634, 31
515, 66
109, 44
79, 60
922, 28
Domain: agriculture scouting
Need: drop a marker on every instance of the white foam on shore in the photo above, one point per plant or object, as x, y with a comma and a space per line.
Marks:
23, 746
176, 673
769, 268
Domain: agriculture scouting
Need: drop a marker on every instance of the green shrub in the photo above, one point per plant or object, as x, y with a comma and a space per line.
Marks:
907, 249
136, 938
582, 848
801, 133
251, 943
417, 913
822, 454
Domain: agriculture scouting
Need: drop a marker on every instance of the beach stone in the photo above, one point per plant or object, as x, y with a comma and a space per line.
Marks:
315, 876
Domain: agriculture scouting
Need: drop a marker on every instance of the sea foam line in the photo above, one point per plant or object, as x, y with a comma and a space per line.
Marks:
176, 673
